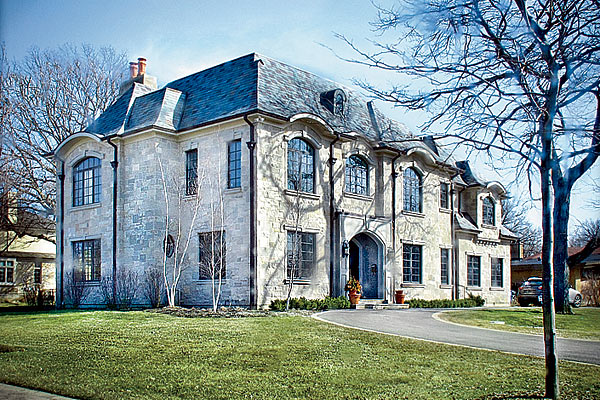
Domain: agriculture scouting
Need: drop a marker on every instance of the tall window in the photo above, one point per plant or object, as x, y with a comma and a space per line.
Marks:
7, 271
497, 272
412, 263
301, 166
86, 182
87, 260
234, 164
444, 195
212, 255
444, 263
357, 176
37, 274
412, 191
191, 172
300, 255
489, 216
473, 271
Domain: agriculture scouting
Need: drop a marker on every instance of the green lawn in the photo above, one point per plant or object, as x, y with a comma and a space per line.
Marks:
126, 355
583, 324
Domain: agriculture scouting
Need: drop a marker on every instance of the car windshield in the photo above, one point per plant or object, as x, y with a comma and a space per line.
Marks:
533, 283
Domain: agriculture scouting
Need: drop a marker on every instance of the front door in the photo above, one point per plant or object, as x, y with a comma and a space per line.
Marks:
364, 260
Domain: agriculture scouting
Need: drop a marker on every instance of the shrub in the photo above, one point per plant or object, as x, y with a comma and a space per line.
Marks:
471, 301
302, 303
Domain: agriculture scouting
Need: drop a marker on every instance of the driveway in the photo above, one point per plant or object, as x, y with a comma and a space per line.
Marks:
420, 324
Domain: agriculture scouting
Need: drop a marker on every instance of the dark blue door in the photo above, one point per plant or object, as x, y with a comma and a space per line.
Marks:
368, 266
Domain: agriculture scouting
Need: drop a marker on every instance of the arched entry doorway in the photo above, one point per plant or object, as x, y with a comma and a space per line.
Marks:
366, 265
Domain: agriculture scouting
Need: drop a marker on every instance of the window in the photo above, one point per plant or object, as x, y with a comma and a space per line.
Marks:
489, 211
412, 263
357, 176
301, 166
212, 255
444, 263
191, 172
300, 255
7, 271
444, 195
37, 275
86, 182
412, 191
86, 260
234, 164
474, 271
497, 272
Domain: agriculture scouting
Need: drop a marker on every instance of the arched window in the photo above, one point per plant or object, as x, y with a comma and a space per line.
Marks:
489, 211
412, 191
357, 176
301, 166
86, 182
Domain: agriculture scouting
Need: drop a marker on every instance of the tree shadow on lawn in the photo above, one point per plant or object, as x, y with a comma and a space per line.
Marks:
514, 395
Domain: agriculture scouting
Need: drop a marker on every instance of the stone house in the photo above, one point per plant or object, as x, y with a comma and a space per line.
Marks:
315, 185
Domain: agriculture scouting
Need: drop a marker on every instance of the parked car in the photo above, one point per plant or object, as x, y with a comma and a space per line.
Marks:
530, 292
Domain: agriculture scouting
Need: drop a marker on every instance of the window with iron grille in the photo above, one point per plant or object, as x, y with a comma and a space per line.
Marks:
444, 195
497, 272
411, 255
7, 271
357, 176
474, 271
489, 216
412, 191
191, 172
445, 267
87, 260
87, 182
234, 156
300, 255
301, 166
212, 255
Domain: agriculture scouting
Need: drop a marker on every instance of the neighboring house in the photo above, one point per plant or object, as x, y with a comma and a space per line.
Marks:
527, 267
26, 257
300, 159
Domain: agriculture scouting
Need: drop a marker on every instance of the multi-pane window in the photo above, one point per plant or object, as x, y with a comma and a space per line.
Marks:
497, 272
444, 195
412, 191
7, 271
301, 166
86, 182
87, 260
37, 275
191, 172
357, 176
488, 211
445, 267
473, 271
300, 255
212, 255
412, 263
234, 164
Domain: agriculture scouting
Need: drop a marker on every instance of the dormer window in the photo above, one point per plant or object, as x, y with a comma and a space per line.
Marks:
489, 211
334, 101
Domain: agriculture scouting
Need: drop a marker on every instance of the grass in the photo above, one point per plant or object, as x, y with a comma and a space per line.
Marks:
126, 355
583, 324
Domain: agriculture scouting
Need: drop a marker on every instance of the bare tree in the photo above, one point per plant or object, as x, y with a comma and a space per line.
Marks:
585, 232
514, 217
516, 77
153, 286
76, 290
46, 97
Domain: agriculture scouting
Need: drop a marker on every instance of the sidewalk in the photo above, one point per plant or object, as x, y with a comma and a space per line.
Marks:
9, 392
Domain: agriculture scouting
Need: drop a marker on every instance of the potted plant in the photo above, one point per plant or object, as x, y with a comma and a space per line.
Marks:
399, 296
353, 288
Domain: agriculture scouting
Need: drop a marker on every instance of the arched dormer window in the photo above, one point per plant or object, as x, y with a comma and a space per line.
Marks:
335, 101
489, 211
301, 166
413, 195
357, 176
86, 182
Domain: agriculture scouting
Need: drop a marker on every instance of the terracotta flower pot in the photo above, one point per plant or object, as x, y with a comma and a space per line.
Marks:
354, 297
399, 296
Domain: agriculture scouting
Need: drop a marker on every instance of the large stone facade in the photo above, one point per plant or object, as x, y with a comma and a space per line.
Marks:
365, 235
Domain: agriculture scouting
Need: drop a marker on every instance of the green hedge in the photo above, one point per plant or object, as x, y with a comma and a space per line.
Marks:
471, 301
302, 303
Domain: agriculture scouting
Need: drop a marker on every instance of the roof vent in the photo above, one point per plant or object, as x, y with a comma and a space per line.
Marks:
334, 100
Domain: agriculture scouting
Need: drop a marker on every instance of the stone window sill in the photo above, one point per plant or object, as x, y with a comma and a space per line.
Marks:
445, 286
413, 214
358, 196
205, 282
233, 190
413, 285
474, 288
489, 226
445, 210
304, 195
85, 207
496, 289
297, 281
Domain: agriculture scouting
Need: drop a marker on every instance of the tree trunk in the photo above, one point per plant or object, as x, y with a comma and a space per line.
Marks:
560, 253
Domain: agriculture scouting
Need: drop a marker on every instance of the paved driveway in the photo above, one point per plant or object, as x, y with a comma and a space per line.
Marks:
420, 324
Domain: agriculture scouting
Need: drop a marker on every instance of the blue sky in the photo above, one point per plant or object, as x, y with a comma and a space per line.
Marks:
182, 37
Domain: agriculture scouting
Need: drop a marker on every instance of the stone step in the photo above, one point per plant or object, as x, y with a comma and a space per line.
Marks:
378, 305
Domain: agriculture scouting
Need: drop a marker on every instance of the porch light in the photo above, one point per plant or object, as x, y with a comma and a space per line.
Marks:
344, 248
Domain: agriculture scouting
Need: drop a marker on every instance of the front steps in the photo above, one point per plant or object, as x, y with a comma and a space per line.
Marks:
378, 305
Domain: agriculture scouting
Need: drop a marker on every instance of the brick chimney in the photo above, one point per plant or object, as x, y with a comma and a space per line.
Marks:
137, 74
133, 69
141, 66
